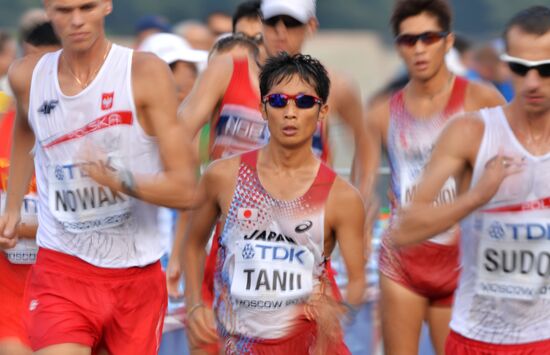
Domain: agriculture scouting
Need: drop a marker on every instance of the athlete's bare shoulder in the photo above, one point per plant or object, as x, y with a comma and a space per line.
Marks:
222, 173
219, 71
480, 95
469, 125
20, 74
378, 114
148, 70
344, 202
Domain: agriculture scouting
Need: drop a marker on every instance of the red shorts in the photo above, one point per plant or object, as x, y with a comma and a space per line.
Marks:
428, 269
458, 345
70, 301
12, 286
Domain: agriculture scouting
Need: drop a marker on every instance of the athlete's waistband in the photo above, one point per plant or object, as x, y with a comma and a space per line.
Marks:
539, 346
72, 265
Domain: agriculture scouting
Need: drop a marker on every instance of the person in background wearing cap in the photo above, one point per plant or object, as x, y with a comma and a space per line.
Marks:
149, 25
183, 60
229, 88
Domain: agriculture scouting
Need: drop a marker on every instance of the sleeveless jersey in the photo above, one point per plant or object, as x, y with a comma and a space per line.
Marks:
410, 143
504, 292
77, 216
25, 250
239, 126
271, 256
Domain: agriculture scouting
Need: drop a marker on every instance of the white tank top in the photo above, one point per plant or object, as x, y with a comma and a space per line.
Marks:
504, 291
270, 257
76, 215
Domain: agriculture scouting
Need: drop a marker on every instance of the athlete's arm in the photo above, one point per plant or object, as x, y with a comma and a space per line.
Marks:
347, 224
199, 106
376, 118
422, 219
21, 160
216, 182
156, 102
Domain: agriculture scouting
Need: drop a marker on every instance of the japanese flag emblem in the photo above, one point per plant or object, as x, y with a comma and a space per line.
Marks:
247, 214
107, 100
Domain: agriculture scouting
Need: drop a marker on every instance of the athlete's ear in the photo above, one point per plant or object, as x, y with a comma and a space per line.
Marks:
312, 26
323, 112
262, 107
449, 42
108, 7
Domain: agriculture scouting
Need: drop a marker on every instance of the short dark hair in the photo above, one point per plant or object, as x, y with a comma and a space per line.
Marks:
284, 67
462, 44
404, 9
42, 34
229, 42
248, 9
533, 20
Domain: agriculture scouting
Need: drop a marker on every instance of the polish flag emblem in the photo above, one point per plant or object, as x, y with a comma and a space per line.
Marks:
107, 100
247, 214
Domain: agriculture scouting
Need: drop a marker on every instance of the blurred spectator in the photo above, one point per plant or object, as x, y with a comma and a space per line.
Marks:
219, 23
40, 38
247, 20
237, 45
149, 25
488, 67
196, 34
8, 52
183, 60
465, 51
30, 19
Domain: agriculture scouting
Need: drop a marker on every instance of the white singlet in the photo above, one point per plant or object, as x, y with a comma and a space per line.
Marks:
504, 291
76, 215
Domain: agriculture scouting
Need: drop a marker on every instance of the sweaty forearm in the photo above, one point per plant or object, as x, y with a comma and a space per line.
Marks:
193, 257
21, 168
421, 221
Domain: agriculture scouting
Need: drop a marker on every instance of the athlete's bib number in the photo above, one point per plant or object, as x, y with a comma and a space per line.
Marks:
26, 249
271, 275
82, 205
514, 260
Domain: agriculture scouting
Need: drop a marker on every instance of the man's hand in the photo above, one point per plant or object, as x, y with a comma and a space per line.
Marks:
201, 327
9, 223
496, 170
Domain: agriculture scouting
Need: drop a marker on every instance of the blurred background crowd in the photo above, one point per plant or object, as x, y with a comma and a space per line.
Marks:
354, 39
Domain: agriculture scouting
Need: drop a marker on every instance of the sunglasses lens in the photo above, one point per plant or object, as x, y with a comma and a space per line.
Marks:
430, 37
407, 40
544, 70
289, 22
272, 21
277, 100
518, 69
305, 101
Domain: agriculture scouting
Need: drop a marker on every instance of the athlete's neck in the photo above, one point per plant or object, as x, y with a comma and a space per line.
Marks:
283, 158
533, 126
432, 87
84, 63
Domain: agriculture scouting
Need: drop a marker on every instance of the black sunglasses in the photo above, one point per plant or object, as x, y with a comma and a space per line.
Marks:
521, 66
427, 38
289, 22
300, 100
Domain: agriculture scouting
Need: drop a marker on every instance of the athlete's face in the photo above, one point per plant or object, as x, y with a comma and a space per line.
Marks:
423, 60
78, 23
184, 74
532, 90
279, 37
291, 126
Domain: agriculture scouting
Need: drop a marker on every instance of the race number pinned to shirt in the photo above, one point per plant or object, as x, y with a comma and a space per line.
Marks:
513, 258
270, 275
82, 205
25, 250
